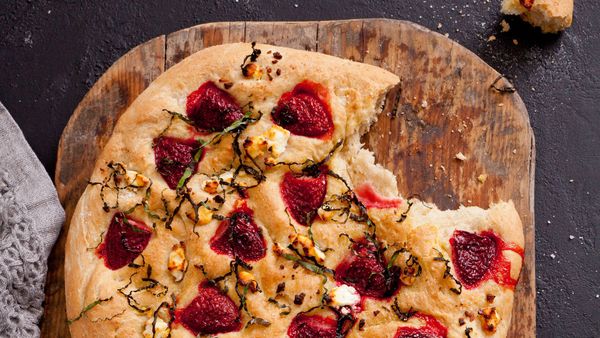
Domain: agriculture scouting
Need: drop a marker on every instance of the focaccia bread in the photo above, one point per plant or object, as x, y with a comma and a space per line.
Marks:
551, 16
234, 198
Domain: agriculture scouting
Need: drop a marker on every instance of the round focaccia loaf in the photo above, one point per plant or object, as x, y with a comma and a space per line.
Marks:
234, 198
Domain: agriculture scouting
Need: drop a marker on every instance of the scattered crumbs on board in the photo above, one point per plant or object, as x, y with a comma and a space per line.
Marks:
505, 26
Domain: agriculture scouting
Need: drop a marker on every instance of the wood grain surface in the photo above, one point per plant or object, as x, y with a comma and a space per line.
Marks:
447, 106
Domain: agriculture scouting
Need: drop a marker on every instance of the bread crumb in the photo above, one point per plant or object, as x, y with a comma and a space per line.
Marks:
439, 26
515, 42
460, 156
514, 151
505, 26
491, 38
424, 104
571, 237
552, 256
482, 178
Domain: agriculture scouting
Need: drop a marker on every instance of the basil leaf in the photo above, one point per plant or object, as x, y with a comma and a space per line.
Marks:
88, 308
186, 174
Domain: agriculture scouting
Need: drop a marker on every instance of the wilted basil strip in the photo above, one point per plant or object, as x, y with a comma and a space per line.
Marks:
116, 176
287, 309
309, 167
156, 314
252, 57
99, 242
242, 295
448, 272
150, 284
318, 269
108, 318
403, 316
88, 308
411, 262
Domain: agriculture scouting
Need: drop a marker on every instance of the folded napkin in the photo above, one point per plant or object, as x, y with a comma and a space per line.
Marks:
30, 219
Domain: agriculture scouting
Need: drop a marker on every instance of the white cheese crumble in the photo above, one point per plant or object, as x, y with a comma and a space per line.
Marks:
211, 186
177, 264
273, 141
307, 247
136, 179
161, 328
344, 295
277, 139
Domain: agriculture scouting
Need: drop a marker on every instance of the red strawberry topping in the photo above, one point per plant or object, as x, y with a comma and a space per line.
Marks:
365, 269
304, 111
211, 108
172, 156
371, 199
432, 329
312, 326
125, 239
211, 312
239, 236
303, 195
527, 3
478, 257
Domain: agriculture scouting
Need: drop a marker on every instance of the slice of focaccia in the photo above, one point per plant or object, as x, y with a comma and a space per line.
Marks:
235, 199
551, 16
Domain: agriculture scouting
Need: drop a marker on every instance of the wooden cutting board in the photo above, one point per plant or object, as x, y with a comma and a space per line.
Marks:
447, 106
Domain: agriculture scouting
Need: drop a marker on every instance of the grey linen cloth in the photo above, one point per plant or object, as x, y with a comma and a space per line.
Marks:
30, 220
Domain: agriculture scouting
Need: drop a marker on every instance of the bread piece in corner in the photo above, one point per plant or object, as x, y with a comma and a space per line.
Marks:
551, 16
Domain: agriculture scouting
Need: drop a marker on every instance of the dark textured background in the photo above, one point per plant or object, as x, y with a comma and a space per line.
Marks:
51, 52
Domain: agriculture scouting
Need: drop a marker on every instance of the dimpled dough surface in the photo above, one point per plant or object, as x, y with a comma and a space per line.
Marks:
134, 300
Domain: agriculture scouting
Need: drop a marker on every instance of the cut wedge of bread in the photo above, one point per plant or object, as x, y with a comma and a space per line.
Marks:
551, 16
